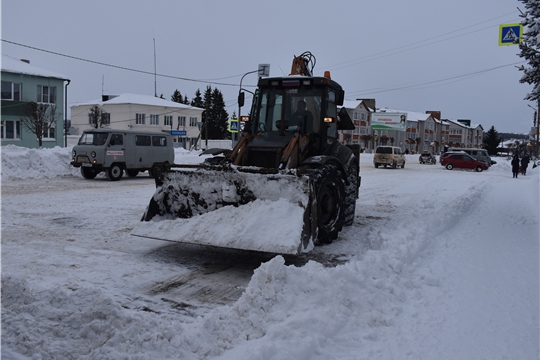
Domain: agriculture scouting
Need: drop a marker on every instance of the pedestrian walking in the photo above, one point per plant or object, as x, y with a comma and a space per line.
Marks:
515, 166
524, 163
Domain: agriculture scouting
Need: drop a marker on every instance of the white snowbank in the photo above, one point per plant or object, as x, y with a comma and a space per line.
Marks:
438, 265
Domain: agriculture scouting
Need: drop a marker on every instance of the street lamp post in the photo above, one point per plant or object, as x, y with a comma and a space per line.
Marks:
536, 123
241, 99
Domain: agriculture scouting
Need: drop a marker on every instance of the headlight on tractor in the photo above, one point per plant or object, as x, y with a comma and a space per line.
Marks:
93, 153
73, 153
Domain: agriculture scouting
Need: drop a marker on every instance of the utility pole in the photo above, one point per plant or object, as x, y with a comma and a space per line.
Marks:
537, 124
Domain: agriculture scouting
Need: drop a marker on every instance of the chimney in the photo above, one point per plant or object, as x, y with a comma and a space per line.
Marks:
435, 114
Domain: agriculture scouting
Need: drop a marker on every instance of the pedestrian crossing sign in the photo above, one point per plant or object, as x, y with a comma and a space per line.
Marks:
233, 125
510, 34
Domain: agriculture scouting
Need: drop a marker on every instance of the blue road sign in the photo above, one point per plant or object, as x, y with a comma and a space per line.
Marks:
510, 34
178, 132
233, 125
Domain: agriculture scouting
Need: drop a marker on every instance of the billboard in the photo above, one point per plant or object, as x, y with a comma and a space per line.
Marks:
389, 121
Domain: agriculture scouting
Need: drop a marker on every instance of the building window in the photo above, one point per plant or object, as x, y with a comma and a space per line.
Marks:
140, 119
167, 120
105, 119
362, 116
46, 94
11, 91
154, 119
355, 116
181, 121
192, 121
50, 132
10, 129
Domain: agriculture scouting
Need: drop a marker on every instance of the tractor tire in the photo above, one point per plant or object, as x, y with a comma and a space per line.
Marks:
351, 193
330, 203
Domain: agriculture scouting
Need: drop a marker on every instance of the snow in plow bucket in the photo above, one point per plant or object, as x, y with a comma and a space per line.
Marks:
284, 212
225, 207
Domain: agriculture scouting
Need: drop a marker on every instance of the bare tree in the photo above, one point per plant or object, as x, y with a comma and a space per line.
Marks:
97, 117
40, 119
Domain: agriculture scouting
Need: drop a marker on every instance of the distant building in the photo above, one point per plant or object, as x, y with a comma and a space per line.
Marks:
461, 133
142, 112
359, 111
23, 83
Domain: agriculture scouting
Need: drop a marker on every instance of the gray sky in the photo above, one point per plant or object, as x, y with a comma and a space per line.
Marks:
413, 55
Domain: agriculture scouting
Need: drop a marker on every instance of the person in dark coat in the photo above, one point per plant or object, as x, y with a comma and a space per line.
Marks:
524, 163
515, 166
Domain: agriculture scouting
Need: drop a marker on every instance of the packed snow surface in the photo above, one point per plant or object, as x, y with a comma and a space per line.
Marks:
438, 264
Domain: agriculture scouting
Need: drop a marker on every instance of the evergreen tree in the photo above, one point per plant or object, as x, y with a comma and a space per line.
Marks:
197, 100
530, 48
207, 115
491, 141
177, 97
220, 115
186, 100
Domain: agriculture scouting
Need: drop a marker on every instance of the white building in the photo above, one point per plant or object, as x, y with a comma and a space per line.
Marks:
142, 112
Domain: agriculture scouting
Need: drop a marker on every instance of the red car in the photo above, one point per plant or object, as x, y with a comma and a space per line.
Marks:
463, 161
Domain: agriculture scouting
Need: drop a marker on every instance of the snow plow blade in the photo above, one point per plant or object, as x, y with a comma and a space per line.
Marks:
232, 207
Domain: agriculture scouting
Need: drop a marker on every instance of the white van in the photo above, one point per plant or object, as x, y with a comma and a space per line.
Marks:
478, 154
116, 151
389, 156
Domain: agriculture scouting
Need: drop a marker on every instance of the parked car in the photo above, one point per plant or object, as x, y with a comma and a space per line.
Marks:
478, 154
463, 160
427, 158
389, 155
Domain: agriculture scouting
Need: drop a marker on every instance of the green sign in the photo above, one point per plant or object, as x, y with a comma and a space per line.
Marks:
389, 121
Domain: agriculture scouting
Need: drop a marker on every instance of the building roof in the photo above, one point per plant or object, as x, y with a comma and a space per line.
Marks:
472, 126
411, 115
12, 65
140, 100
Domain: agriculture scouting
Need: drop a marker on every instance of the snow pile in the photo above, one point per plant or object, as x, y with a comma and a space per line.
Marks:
24, 163
431, 269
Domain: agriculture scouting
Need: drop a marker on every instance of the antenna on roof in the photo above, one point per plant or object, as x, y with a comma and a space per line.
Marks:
155, 76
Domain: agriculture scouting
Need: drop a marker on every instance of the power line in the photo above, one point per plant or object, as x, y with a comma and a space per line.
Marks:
408, 47
405, 87
123, 67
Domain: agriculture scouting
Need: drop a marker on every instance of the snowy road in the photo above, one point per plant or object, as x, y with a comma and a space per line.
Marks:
438, 264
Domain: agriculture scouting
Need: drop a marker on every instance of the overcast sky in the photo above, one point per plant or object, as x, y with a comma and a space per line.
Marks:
413, 55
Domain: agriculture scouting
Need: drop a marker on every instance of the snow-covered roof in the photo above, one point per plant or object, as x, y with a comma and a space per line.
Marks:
10, 64
463, 125
351, 104
140, 100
